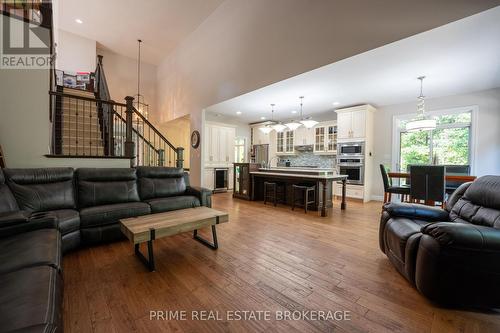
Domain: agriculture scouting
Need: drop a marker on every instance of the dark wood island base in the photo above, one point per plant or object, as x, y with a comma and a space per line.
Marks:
323, 183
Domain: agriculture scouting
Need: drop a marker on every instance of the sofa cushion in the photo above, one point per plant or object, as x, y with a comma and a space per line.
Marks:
7, 201
480, 203
107, 214
31, 300
35, 248
173, 203
160, 182
97, 187
42, 189
67, 220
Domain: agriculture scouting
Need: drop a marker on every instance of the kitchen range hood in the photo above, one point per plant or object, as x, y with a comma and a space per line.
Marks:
304, 148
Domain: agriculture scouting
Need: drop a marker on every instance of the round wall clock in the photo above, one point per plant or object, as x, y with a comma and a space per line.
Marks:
195, 139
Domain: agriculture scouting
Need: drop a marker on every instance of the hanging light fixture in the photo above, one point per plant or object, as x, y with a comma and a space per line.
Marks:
307, 122
266, 129
139, 101
421, 122
293, 125
278, 127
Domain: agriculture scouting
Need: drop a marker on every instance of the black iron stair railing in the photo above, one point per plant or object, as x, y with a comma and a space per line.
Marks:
79, 131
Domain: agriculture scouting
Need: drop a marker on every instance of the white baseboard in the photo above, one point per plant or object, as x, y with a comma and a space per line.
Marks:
377, 197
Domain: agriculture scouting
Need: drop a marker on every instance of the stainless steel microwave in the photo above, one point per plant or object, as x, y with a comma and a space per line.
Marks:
351, 149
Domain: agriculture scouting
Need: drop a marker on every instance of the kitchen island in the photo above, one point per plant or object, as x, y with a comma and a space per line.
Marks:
287, 176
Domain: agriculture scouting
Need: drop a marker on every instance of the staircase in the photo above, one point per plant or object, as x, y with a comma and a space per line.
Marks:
80, 132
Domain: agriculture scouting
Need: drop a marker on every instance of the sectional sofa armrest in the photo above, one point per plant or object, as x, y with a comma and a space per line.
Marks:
203, 194
13, 218
464, 236
20, 222
416, 211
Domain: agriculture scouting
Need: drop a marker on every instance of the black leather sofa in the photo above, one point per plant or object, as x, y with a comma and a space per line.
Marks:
47, 212
451, 255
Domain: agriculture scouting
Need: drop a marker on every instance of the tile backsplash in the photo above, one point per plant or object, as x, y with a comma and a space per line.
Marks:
308, 158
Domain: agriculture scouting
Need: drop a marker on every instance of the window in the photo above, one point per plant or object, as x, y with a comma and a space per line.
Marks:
239, 150
448, 144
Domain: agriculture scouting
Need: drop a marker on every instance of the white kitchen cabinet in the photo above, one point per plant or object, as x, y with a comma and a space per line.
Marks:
285, 143
344, 123
304, 136
230, 178
325, 138
219, 144
358, 127
352, 122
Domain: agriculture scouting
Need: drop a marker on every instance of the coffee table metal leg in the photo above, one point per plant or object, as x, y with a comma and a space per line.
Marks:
150, 260
214, 245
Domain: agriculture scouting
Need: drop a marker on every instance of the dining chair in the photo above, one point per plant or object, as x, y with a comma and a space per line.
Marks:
458, 170
427, 184
389, 189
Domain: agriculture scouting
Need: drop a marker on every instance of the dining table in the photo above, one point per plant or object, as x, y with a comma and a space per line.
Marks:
448, 177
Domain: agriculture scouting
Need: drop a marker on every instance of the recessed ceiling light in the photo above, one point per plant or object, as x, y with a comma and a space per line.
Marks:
294, 111
238, 112
262, 118
336, 103
78, 21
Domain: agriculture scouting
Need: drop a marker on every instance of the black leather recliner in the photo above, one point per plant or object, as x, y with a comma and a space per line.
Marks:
451, 255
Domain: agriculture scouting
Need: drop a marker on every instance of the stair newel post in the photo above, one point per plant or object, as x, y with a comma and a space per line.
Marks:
180, 157
129, 143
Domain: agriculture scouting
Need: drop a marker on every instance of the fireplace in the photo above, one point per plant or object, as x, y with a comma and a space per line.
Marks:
220, 179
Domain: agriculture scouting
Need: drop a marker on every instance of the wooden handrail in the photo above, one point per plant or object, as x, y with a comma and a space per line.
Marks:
96, 100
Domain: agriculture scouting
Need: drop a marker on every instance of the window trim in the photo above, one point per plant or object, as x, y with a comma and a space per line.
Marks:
396, 132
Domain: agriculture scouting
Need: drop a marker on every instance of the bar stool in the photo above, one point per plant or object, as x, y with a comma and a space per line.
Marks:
272, 190
306, 191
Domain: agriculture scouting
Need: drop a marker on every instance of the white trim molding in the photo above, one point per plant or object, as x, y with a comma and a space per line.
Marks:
396, 120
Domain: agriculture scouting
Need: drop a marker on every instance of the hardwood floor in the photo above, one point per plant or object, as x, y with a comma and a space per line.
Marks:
270, 259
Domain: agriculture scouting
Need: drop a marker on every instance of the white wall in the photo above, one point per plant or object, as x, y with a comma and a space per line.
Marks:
75, 53
25, 128
121, 74
487, 143
245, 45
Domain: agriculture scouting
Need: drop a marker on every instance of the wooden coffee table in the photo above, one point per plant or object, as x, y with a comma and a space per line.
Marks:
147, 228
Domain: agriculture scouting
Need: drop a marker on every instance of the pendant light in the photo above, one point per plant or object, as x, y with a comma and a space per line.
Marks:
421, 123
293, 125
278, 127
266, 129
139, 102
307, 122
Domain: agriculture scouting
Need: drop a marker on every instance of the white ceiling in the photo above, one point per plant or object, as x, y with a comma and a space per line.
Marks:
459, 57
161, 24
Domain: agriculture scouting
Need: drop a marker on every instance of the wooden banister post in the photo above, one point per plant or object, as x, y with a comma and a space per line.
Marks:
129, 143
180, 157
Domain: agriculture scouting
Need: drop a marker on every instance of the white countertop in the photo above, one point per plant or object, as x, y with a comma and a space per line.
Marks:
298, 169
298, 175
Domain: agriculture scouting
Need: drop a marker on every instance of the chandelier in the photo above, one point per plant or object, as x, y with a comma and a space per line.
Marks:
421, 122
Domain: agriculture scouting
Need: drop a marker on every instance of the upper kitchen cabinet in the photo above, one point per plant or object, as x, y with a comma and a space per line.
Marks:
304, 136
219, 144
285, 143
325, 138
352, 123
